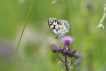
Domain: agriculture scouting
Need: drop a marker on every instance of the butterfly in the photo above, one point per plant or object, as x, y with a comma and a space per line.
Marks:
59, 27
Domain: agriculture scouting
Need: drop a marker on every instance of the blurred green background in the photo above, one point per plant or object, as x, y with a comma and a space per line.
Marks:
34, 53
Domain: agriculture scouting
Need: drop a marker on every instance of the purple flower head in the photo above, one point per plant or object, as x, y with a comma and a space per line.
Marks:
67, 39
72, 51
66, 52
77, 55
53, 48
59, 49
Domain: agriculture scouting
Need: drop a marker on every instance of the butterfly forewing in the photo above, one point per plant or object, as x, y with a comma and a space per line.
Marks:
53, 24
59, 27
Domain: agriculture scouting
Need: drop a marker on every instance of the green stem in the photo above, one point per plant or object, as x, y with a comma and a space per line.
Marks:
60, 57
24, 26
66, 63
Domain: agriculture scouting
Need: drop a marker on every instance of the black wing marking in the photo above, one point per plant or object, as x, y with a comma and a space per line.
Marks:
53, 24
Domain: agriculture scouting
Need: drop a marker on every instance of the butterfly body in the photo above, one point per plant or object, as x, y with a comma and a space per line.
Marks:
59, 27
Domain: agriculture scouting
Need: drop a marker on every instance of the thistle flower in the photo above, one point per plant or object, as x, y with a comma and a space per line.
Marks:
66, 40
65, 51
72, 52
53, 48
76, 55
59, 49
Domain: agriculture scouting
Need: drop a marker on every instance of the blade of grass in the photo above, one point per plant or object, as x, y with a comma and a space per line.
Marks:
24, 26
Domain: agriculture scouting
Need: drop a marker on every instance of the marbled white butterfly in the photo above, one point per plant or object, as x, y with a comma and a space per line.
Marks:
59, 27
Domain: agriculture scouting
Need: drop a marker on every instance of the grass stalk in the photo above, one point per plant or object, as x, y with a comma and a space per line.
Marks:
24, 26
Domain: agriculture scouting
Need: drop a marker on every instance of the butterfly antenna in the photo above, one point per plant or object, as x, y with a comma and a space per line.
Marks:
51, 39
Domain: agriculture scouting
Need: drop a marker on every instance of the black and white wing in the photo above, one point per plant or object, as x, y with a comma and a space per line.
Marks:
54, 25
59, 27
64, 28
